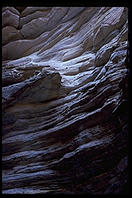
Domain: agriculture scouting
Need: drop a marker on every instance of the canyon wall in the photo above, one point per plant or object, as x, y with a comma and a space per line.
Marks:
64, 100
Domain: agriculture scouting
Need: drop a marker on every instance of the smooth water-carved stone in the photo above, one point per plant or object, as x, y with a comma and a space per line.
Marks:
40, 88
10, 19
19, 48
104, 54
30, 10
9, 34
12, 9
32, 16
65, 100
112, 21
34, 28
11, 76
72, 12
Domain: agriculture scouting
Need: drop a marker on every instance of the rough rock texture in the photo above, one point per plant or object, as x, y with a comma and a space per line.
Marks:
65, 100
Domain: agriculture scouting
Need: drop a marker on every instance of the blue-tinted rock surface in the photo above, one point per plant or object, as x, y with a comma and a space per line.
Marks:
65, 100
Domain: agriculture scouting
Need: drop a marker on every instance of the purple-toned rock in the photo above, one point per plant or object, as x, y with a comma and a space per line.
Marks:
65, 100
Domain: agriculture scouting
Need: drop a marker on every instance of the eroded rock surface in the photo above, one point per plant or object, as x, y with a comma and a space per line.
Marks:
65, 100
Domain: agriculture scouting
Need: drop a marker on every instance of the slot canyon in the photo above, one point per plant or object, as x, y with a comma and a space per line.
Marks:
65, 106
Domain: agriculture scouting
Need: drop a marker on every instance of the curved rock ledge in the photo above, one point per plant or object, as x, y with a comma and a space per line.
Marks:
65, 100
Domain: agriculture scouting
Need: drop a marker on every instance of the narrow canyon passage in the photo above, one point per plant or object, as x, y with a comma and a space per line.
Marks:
64, 100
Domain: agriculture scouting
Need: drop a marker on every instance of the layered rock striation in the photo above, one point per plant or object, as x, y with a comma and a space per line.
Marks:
64, 100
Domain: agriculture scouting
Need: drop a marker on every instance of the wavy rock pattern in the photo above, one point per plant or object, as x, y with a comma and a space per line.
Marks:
65, 98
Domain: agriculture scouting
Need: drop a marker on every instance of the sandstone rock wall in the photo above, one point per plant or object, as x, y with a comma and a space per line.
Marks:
65, 100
